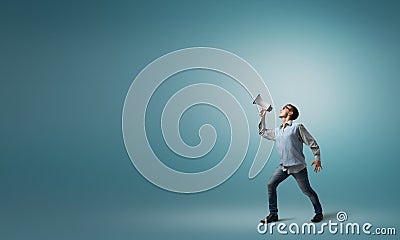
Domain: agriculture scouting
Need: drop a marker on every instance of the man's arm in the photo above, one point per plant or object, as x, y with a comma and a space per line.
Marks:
310, 141
262, 131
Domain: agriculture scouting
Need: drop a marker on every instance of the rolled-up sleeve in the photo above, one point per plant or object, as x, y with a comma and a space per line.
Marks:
264, 132
310, 141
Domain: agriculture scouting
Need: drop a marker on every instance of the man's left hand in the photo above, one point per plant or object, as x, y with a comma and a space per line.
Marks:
317, 166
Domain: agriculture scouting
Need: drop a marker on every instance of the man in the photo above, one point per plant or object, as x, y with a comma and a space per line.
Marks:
289, 138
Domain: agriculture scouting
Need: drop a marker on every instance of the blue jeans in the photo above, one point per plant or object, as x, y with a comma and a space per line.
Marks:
302, 180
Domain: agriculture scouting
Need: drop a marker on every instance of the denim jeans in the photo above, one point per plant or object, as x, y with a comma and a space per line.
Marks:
302, 180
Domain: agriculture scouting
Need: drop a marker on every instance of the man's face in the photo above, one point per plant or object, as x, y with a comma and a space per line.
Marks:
284, 112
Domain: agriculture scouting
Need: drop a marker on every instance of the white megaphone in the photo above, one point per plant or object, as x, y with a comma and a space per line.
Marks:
264, 105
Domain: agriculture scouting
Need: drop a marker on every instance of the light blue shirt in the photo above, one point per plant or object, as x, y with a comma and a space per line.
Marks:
289, 141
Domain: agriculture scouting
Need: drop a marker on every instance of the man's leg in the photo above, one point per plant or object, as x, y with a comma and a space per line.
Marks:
304, 184
277, 177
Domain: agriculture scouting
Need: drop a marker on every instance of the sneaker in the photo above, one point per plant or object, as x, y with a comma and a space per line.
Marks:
317, 218
270, 218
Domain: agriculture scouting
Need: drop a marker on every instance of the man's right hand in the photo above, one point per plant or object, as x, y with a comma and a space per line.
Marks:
262, 112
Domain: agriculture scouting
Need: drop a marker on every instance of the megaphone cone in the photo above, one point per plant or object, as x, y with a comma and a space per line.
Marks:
260, 102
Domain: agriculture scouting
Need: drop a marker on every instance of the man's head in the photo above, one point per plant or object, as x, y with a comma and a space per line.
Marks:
289, 111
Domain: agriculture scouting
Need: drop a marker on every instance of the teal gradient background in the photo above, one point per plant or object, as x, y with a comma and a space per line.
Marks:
66, 67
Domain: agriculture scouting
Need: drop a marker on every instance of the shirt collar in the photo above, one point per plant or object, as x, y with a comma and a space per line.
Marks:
290, 122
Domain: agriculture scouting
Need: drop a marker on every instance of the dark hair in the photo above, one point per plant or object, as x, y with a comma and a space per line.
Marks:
295, 111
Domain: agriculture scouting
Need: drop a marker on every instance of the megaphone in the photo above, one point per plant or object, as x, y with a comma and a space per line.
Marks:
260, 102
